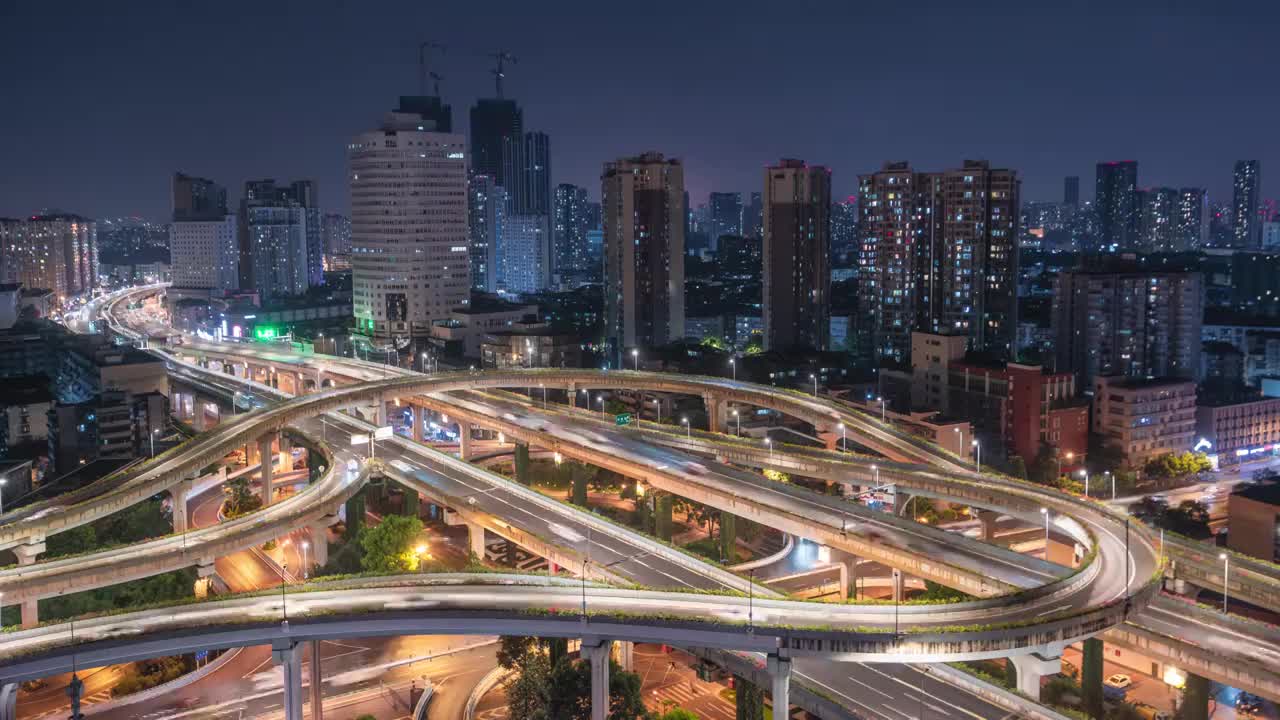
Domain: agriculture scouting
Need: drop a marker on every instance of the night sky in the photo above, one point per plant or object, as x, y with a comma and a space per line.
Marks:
103, 101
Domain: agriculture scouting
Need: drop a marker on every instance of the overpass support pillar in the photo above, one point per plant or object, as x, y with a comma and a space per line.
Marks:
464, 441
851, 572
900, 501
596, 652
988, 520
626, 654
572, 391
9, 701
419, 414
380, 412
475, 540
268, 460
317, 683
780, 674
288, 655
27, 555
715, 412
205, 572
1033, 667
178, 504
320, 542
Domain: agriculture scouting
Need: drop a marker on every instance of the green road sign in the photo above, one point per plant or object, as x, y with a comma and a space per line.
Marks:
622, 418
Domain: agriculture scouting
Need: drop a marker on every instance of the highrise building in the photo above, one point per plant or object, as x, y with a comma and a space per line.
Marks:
753, 216
938, 253
337, 241
643, 208
1271, 234
1192, 219
525, 266
1116, 203
1127, 321
492, 121
726, 215
797, 249
431, 108
204, 252
526, 173
570, 224
281, 238
1160, 219
1221, 232
486, 208
1246, 224
57, 252
1071, 191
844, 226
409, 256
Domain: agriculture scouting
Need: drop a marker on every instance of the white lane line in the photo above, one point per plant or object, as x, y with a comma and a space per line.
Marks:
922, 703
833, 691
1054, 610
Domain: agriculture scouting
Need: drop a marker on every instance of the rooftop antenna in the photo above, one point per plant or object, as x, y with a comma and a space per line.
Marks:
501, 56
424, 52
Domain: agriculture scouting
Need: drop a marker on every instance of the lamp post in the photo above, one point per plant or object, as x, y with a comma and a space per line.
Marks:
733, 367
1226, 570
600, 402
977, 456
844, 437
152, 436
544, 395
738, 418
657, 403
305, 565
635, 355
1045, 512
2, 484
769, 443
687, 427
814, 378
284, 584
881, 399
875, 469
1084, 473
959, 441
1113, 484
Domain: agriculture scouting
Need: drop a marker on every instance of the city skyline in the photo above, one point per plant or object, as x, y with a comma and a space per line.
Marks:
1050, 126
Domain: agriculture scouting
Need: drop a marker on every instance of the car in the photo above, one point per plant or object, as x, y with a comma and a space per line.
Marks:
1119, 681
1151, 713
1248, 704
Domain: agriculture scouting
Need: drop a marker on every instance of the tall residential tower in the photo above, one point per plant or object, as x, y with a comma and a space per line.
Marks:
797, 247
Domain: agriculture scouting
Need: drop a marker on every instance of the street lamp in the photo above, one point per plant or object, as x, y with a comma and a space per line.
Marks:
1113, 484
600, 402
769, 443
881, 399
814, 378
1045, 512
657, 403
977, 456
733, 366
635, 355
687, 427
1226, 570
2, 484
544, 395
305, 565
844, 437
738, 417
154, 431
1084, 473
959, 441
876, 477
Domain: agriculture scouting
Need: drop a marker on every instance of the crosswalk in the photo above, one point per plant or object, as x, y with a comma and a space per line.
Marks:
702, 699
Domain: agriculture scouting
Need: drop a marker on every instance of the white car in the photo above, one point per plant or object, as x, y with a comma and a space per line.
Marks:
1119, 681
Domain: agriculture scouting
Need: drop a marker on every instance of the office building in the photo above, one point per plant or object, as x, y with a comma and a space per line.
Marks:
570, 224
435, 113
753, 216
1116, 203
797, 247
58, 253
204, 251
1192, 219
281, 238
526, 173
1271, 234
938, 253
337, 241
1160, 219
409, 255
196, 198
1127, 322
726, 216
1240, 430
486, 208
844, 227
493, 120
1143, 418
1071, 191
525, 265
644, 215
1221, 232
1246, 224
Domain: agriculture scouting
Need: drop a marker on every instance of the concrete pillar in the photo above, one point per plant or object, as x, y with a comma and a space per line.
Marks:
419, 414
715, 412
988, 520
27, 554
9, 701
900, 501
851, 571
205, 573
596, 652
475, 540
626, 654
844, 579
573, 394
29, 551
780, 673
30, 614
380, 412
317, 682
268, 460
899, 586
288, 655
1033, 667
464, 441
320, 543
178, 504
197, 414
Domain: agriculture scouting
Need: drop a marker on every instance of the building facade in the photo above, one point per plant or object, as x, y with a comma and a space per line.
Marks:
1240, 431
569, 227
409, 255
525, 265
797, 248
492, 121
1134, 323
1192, 220
1246, 225
726, 216
1116, 202
644, 216
1144, 418
486, 208
58, 253
337, 241
205, 254
1160, 219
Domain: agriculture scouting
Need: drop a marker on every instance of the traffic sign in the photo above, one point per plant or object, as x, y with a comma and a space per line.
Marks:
622, 419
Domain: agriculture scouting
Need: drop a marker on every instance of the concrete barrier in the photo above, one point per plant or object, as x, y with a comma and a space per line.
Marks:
1024, 707
482, 688
164, 688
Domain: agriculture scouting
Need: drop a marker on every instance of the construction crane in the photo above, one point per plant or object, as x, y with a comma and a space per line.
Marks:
501, 56
424, 52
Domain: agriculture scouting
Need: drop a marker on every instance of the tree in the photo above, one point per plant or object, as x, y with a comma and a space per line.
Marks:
514, 650
522, 463
1044, 469
355, 516
1091, 677
569, 691
580, 476
626, 699
528, 691
388, 547
748, 699
1195, 698
1125, 711
241, 500
1171, 465
1190, 518
1018, 467
677, 713
662, 516
728, 537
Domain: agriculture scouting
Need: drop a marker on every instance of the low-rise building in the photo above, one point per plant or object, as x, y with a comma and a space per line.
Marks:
25, 402
463, 332
530, 348
1253, 514
1240, 430
1144, 418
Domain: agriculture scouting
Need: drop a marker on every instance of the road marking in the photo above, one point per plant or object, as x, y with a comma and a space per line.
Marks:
1054, 610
